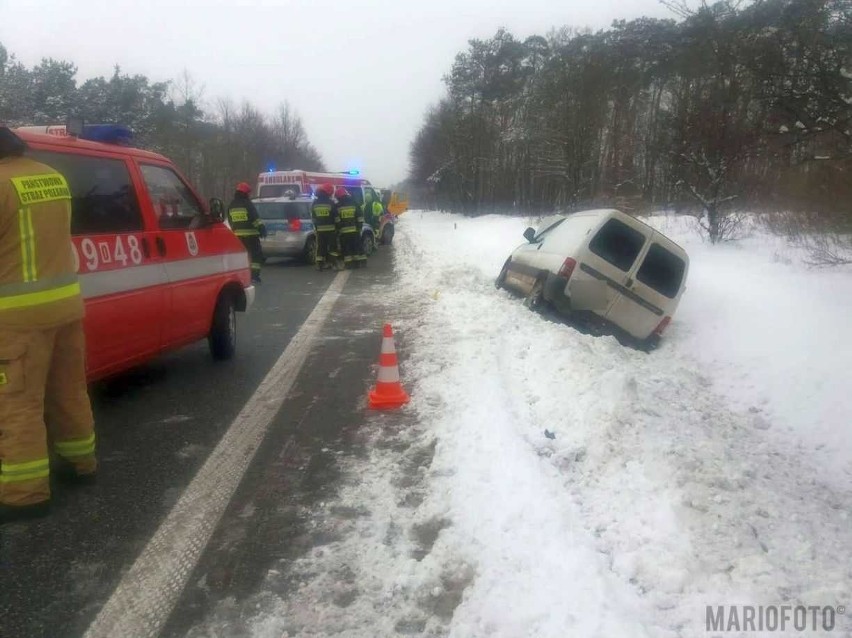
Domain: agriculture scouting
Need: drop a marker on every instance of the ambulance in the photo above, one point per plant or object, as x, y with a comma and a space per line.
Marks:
158, 268
291, 184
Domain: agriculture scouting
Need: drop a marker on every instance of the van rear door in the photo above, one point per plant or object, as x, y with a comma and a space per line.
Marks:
653, 289
612, 256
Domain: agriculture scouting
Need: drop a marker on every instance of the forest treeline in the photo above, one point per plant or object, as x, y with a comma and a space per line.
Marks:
216, 146
728, 106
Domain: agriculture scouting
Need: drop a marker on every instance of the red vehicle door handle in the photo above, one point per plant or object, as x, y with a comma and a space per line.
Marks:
146, 249
161, 246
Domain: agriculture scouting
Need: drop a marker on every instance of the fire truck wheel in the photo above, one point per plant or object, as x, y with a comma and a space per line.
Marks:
387, 234
223, 333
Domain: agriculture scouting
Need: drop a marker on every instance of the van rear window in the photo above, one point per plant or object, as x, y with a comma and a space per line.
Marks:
662, 270
102, 197
617, 243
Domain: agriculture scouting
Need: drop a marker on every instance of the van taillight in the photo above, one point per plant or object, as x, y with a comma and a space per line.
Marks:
662, 325
567, 268
295, 224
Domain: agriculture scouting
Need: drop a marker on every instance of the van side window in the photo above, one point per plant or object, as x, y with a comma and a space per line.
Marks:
662, 271
174, 203
618, 243
102, 197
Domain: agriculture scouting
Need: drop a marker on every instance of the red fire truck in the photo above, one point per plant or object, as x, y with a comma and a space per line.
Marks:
158, 268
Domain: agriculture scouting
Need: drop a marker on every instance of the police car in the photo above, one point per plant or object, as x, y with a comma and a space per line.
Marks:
158, 269
289, 227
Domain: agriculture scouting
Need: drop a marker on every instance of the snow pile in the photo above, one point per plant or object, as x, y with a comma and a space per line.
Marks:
772, 334
654, 499
547, 483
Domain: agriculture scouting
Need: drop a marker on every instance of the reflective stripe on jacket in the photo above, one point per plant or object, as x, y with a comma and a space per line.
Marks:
350, 214
38, 279
324, 215
243, 218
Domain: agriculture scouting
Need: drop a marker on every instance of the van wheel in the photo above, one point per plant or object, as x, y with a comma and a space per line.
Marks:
223, 333
535, 299
367, 244
309, 254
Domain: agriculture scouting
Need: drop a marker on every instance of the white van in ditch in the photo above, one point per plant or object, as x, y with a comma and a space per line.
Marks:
600, 265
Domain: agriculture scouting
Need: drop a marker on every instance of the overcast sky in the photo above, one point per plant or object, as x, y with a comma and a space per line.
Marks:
360, 73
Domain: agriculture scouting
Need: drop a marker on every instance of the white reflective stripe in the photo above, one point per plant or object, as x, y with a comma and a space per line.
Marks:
110, 282
236, 261
194, 268
388, 374
387, 345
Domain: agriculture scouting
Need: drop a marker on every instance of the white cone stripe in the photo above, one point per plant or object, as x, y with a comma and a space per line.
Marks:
149, 590
388, 374
387, 345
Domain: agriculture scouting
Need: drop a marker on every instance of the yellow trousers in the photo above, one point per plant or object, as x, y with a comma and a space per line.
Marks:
43, 396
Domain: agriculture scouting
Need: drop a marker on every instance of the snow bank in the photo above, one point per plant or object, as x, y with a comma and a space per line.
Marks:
547, 483
772, 334
657, 496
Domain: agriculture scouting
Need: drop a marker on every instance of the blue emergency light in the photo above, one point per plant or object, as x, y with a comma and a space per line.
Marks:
353, 172
107, 133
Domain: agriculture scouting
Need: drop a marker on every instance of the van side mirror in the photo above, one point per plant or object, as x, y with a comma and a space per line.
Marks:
217, 209
529, 234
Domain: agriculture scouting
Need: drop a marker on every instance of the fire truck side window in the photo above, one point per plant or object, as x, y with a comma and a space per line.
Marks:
102, 197
174, 203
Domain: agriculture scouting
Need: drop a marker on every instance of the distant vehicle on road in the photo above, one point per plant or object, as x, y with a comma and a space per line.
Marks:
397, 203
602, 266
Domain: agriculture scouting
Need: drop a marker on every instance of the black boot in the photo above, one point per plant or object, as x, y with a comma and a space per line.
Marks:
19, 513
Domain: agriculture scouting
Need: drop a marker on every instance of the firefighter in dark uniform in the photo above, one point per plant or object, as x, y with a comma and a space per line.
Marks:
246, 224
325, 217
349, 228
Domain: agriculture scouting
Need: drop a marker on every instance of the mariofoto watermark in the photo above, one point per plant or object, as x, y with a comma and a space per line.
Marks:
802, 618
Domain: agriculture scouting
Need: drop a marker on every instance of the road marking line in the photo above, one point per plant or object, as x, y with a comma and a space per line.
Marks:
145, 596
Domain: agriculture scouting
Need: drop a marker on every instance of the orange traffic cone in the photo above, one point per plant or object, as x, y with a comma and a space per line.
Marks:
388, 393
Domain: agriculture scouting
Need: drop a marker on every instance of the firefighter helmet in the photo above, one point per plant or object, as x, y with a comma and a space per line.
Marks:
243, 187
340, 192
326, 189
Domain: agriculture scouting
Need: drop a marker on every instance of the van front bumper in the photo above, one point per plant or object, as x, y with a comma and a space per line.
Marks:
249, 293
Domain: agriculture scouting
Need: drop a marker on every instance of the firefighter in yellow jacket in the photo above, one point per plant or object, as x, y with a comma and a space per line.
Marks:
43, 394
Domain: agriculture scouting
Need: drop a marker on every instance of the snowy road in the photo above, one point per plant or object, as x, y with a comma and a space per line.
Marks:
689, 477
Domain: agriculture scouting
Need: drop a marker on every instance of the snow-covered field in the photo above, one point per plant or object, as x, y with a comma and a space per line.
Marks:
714, 471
